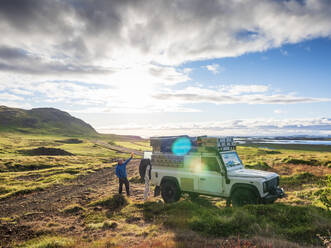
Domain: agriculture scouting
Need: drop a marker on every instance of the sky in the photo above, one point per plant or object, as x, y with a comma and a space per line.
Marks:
145, 67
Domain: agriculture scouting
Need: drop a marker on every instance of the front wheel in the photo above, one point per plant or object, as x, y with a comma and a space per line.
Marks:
170, 192
243, 197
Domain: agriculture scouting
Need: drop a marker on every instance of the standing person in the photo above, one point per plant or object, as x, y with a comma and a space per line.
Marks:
147, 178
121, 174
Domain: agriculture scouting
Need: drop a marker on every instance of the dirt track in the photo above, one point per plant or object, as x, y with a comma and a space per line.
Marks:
117, 148
34, 211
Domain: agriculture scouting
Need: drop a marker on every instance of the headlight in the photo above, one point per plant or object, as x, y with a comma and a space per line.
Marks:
265, 187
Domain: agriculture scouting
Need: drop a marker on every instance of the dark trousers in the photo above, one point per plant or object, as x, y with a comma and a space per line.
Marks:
127, 186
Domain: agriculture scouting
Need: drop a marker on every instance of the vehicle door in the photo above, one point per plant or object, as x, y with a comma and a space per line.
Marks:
189, 175
210, 178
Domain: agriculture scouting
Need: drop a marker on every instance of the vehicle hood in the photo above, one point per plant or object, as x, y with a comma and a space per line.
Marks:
248, 173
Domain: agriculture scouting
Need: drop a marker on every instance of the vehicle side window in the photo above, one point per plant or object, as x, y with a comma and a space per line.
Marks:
210, 164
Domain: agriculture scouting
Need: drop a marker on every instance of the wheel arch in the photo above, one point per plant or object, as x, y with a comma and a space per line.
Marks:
245, 186
172, 179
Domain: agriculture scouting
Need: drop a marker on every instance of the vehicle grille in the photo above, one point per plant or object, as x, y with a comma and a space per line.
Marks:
272, 184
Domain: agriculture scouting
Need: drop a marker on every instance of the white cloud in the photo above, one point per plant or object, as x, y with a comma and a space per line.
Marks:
125, 53
279, 111
10, 97
15, 104
20, 91
247, 127
105, 35
214, 68
239, 89
150, 96
249, 94
284, 52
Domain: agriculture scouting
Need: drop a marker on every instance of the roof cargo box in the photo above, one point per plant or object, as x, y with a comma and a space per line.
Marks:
164, 144
199, 144
207, 141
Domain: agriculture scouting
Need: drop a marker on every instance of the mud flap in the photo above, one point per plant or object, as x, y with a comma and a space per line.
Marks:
157, 191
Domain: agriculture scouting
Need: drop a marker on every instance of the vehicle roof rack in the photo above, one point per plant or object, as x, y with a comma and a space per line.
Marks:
198, 144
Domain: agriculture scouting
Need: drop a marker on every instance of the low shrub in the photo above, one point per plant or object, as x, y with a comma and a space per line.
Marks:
74, 208
69, 141
258, 165
4, 190
325, 196
48, 242
312, 162
327, 163
109, 225
267, 151
238, 222
112, 203
27, 167
95, 218
301, 178
46, 151
152, 209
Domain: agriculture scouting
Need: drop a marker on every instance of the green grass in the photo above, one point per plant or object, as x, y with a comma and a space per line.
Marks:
301, 178
103, 225
73, 209
139, 145
20, 174
48, 242
112, 203
136, 179
16, 182
286, 155
94, 217
299, 218
312, 162
303, 173
260, 165
301, 147
294, 223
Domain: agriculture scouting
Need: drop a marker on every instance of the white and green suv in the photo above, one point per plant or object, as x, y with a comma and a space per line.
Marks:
210, 166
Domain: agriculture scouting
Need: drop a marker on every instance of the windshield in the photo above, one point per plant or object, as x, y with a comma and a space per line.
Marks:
231, 159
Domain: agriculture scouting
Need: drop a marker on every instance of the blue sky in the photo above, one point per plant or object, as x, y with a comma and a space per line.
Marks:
302, 69
172, 67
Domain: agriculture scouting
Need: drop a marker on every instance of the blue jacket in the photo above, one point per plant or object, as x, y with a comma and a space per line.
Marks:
121, 169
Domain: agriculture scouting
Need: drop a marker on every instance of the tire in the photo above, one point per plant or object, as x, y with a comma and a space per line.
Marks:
170, 191
241, 197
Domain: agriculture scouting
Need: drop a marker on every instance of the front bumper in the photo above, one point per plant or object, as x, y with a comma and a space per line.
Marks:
274, 195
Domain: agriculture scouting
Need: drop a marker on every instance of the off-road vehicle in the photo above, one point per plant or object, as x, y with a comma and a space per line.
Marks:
208, 166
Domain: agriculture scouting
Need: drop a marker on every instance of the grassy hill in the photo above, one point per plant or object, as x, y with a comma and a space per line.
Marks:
42, 121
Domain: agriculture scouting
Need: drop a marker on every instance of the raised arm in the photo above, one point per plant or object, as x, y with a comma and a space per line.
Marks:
128, 160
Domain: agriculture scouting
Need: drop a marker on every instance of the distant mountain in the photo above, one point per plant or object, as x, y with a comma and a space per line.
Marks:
42, 120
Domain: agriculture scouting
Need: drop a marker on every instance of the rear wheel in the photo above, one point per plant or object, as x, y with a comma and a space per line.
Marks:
170, 191
243, 197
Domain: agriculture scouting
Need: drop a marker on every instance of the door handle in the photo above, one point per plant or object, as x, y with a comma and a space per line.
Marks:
202, 179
